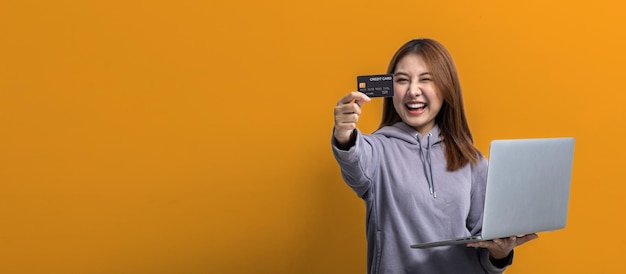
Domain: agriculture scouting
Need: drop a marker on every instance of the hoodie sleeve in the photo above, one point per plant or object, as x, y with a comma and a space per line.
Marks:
475, 218
357, 163
488, 265
479, 187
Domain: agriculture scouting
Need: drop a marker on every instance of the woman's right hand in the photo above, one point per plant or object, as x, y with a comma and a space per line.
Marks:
347, 112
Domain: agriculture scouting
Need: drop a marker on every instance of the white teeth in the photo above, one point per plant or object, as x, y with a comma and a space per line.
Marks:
420, 105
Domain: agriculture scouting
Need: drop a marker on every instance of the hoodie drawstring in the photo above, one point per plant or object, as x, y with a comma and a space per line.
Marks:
428, 171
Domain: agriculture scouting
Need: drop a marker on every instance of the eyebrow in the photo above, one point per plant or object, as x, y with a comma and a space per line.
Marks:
407, 75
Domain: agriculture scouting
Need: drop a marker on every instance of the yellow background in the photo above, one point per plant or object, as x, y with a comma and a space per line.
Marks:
193, 136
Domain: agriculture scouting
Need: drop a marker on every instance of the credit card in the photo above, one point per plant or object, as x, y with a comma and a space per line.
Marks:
380, 85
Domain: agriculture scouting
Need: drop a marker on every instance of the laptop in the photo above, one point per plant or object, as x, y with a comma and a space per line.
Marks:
528, 186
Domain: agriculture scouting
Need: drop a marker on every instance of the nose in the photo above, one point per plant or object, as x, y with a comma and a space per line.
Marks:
414, 89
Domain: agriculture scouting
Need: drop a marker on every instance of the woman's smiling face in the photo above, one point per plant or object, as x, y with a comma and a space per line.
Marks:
416, 98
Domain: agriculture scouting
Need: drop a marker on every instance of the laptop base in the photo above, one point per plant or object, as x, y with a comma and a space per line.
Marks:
450, 242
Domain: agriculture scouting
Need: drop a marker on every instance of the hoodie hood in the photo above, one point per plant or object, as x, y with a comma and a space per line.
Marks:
404, 132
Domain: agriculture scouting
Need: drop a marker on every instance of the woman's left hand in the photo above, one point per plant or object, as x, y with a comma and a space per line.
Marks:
500, 248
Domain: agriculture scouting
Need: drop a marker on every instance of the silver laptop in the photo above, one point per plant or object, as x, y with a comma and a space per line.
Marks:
528, 185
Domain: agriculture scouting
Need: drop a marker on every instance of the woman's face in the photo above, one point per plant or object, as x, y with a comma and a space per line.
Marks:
416, 97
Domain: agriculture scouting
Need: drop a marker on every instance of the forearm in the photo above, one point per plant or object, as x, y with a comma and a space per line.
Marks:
346, 144
357, 162
494, 266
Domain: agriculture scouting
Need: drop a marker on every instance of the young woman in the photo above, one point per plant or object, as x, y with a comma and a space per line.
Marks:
419, 174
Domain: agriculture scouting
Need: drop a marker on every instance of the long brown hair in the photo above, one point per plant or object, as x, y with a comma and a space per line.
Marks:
459, 147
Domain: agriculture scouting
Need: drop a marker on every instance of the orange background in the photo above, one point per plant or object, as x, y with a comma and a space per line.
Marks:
194, 136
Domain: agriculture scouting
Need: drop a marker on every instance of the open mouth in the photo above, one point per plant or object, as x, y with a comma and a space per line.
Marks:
416, 106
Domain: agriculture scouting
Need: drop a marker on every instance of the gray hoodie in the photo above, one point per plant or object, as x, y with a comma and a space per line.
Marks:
411, 198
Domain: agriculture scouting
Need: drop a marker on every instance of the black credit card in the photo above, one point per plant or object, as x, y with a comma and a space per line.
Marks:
380, 85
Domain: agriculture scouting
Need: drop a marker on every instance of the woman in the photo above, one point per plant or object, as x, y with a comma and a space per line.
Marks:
419, 174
